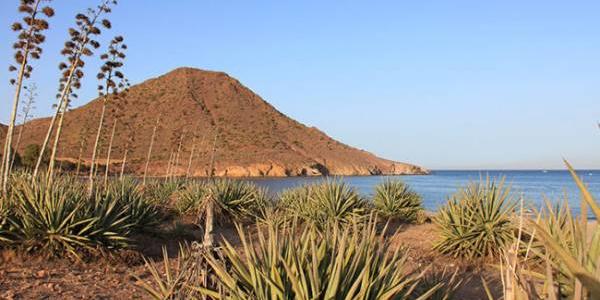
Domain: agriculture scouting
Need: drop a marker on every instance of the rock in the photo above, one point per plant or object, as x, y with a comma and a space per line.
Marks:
41, 274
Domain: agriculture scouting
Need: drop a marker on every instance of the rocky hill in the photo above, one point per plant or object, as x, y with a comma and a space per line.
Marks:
202, 109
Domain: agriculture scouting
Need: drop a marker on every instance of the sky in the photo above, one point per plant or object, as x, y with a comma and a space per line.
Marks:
442, 84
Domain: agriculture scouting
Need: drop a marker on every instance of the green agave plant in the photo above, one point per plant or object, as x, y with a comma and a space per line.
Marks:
556, 220
6, 223
112, 223
297, 202
142, 212
176, 279
268, 210
330, 202
50, 217
303, 263
234, 200
573, 246
160, 192
394, 199
477, 221
190, 198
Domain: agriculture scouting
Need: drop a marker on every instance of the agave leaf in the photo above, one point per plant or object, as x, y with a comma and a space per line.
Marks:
587, 196
588, 279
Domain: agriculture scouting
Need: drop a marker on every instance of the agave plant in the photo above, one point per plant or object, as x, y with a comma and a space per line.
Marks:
173, 283
337, 202
445, 282
477, 221
395, 199
235, 200
330, 202
6, 223
268, 210
141, 212
350, 263
112, 224
572, 245
50, 217
160, 192
190, 198
297, 202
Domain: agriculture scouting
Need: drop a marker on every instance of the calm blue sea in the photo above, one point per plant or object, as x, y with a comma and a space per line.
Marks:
534, 185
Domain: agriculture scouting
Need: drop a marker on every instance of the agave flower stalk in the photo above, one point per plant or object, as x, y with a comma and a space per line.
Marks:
178, 152
110, 90
168, 173
30, 96
130, 141
211, 197
27, 47
110, 144
150, 149
83, 138
75, 49
123, 163
189, 167
78, 168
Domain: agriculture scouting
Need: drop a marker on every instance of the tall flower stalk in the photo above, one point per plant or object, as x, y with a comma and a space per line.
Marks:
80, 38
30, 95
150, 149
27, 47
110, 144
114, 83
131, 130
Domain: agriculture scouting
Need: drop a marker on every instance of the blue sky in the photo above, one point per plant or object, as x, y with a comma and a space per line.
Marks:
443, 84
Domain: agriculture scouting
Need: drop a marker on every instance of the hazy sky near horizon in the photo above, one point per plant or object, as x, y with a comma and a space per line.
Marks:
443, 84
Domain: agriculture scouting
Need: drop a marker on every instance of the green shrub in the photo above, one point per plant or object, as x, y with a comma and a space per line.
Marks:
394, 199
31, 154
476, 221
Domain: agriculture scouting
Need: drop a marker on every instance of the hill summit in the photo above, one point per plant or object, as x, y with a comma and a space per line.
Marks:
206, 111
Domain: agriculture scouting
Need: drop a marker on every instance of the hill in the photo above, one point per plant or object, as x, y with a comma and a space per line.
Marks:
254, 139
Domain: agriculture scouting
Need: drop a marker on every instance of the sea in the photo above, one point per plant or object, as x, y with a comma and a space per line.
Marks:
534, 186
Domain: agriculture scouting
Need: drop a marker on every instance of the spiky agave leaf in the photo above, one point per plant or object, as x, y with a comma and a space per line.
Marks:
160, 192
142, 213
324, 204
350, 263
581, 256
49, 217
395, 199
190, 198
7, 235
171, 279
476, 221
234, 200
